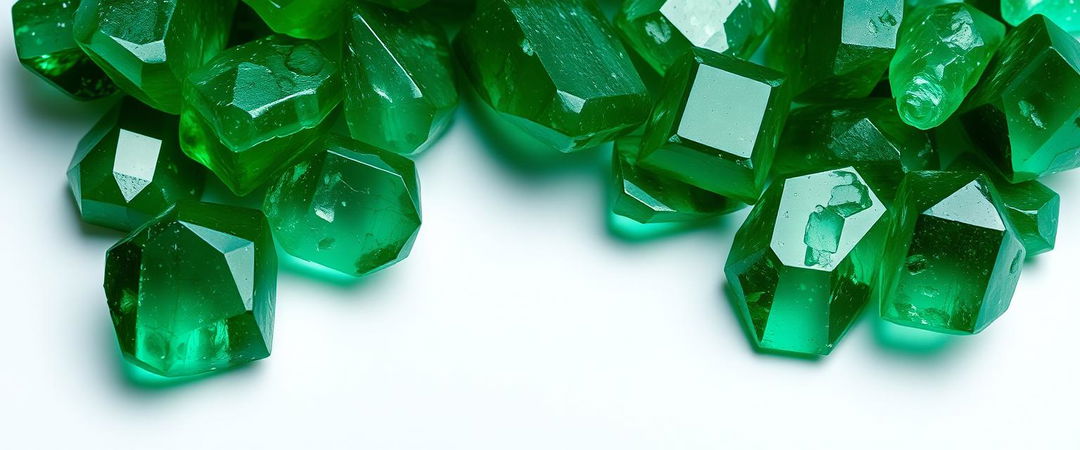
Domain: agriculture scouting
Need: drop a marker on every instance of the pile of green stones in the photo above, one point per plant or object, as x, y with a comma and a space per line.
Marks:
890, 149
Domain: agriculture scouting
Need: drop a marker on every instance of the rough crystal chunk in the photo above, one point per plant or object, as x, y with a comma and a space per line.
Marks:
555, 68
717, 124
193, 290
943, 51
399, 80
351, 207
835, 49
129, 168
148, 46
953, 259
404, 5
1065, 13
256, 108
46, 46
1025, 113
305, 19
802, 264
662, 31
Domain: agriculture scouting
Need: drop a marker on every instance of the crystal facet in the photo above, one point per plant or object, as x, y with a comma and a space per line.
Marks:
554, 68
953, 258
256, 108
148, 46
351, 207
193, 290
717, 124
662, 31
46, 46
305, 19
1065, 13
802, 264
399, 80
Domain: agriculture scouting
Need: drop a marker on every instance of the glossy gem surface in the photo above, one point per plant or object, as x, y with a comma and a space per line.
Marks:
46, 46
305, 19
403, 5
193, 290
802, 264
1065, 13
555, 69
351, 207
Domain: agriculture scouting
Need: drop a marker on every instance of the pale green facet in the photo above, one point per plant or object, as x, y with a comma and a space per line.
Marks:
1065, 13
304, 19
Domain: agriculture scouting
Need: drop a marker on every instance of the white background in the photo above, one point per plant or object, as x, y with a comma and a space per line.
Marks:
519, 322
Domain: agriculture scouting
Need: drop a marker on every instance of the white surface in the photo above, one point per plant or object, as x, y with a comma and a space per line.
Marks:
518, 323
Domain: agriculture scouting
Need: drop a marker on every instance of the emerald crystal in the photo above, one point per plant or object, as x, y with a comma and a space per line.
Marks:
351, 207
1065, 13
404, 5
193, 290
554, 68
46, 46
835, 49
148, 46
1024, 113
305, 19
662, 31
943, 52
399, 80
256, 108
726, 150
802, 264
129, 168
953, 258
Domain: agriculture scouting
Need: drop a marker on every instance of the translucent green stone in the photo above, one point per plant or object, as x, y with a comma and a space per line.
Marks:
1065, 13
726, 150
943, 51
404, 5
46, 46
1025, 113
835, 49
129, 168
305, 19
990, 7
554, 68
148, 46
662, 31
802, 264
256, 108
399, 79
953, 259
193, 290
351, 207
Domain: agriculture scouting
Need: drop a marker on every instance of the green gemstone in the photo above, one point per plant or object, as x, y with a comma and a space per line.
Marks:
662, 31
399, 80
1065, 13
726, 150
148, 46
46, 46
305, 19
247, 26
953, 258
1025, 113
650, 198
129, 168
193, 290
835, 49
404, 5
802, 264
256, 108
554, 68
351, 207
942, 53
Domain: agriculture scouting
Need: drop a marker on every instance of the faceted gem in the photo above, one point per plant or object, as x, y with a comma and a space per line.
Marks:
726, 150
351, 207
45, 45
802, 264
305, 19
943, 52
867, 134
193, 290
834, 49
129, 168
953, 258
555, 68
662, 31
1065, 13
256, 108
1025, 113
148, 46
647, 197
403, 5
399, 80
